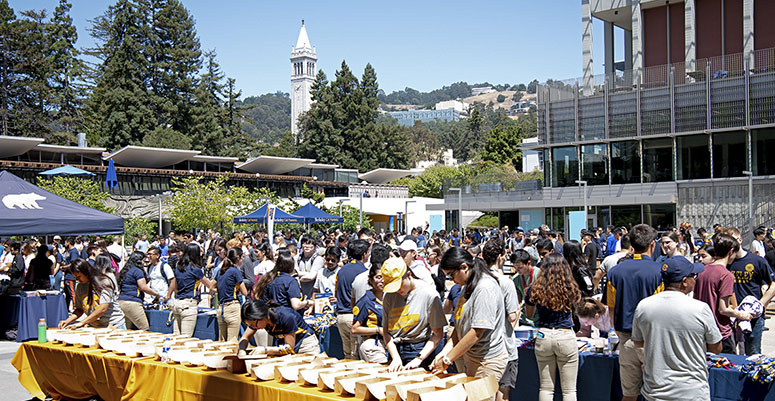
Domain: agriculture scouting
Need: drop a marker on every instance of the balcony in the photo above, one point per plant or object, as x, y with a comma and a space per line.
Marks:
717, 93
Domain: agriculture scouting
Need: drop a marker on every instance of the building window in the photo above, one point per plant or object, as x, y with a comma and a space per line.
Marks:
730, 155
658, 160
626, 216
558, 219
603, 216
546, 167
594, 164
625, 162
661, 216
565, 166
763, 148
693, 157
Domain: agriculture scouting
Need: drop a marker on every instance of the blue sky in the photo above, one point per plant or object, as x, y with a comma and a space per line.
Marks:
419, 44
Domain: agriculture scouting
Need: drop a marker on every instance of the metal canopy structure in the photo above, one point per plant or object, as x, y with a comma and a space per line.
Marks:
273, 164
383, 175
140, 156
16, 145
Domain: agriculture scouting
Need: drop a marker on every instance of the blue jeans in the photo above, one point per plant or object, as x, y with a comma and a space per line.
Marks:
409, 351
753, 340
57, 284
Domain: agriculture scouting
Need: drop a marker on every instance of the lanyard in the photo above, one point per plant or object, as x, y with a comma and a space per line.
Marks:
526, 284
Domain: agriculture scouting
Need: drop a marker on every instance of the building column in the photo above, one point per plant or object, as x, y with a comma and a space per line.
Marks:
637, 40
586, 46
609, 47
690, 35
748, 48
628, 57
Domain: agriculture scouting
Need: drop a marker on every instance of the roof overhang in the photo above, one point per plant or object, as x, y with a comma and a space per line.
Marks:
16, 145
69, 149
383, 175
323, 166
273, 164
214, 159
140, 156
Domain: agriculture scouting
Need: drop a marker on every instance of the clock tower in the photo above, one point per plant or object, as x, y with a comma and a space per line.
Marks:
303, 70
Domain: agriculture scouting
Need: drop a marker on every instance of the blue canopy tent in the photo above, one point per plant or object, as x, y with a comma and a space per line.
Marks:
259, 216
26, 209
312, 214
66, 170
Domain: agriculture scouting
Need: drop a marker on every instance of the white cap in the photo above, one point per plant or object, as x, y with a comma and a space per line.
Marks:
408, 245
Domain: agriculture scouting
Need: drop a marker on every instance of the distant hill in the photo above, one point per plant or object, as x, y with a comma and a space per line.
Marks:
413, 96
269, 114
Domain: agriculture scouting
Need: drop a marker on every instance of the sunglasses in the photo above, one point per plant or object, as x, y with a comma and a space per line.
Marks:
331, 260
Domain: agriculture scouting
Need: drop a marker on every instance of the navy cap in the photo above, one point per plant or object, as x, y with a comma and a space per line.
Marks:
677, 268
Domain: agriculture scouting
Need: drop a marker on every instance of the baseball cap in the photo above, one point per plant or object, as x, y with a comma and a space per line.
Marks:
520, 229
393, 271
408, 245
57, 237
677, 268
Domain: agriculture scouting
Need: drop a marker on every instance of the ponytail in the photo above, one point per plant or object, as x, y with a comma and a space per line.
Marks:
233, 256
454, 258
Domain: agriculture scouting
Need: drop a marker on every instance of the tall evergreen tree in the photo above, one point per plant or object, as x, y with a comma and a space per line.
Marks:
67, 70
31, 116
206, 131
8, 59
319, 137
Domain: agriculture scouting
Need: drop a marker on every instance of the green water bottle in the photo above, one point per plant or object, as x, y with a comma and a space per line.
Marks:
215, 300
42, 331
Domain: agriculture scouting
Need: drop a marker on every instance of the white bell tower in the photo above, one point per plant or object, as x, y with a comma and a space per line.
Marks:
303, 71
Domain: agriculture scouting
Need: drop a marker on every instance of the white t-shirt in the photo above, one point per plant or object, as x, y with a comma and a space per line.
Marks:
119, 251
7, 258
157, 281
263, 268
422, 272
326, 280
611, 261
757, 247
675, 329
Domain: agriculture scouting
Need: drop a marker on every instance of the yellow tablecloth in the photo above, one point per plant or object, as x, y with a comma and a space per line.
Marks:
77, 372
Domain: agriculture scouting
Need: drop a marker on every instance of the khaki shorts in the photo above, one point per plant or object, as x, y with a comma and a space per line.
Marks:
630, 365
488, 367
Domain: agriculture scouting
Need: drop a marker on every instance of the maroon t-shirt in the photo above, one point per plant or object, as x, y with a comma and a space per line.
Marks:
714, 283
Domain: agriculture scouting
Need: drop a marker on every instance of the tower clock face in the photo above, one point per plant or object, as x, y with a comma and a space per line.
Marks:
297, 87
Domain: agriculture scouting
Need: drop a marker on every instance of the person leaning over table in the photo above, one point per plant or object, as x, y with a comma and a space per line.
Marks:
282, 322
479, 317
413, 316
553, 296
367, 321
279, 287
229, 283
188, 273
95, 296
132, 282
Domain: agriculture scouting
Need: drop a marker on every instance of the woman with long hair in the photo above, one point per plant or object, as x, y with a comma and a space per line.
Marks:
95, 296
279, 287
592, 313
479, 315
132, 282
39, 271
573, 254
228, 284
265, 260
553, 297
367, 319
286, 325
671, 246
104, 263
188, 273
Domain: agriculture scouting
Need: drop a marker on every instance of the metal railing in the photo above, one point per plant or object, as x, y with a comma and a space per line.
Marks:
492, 183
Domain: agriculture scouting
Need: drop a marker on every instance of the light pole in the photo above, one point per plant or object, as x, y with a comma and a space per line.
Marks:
340, 210
750, 201
459, 207
360, 221
584, 183
406, 215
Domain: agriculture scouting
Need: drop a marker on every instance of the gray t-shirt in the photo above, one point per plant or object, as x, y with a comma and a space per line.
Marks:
113, 315
313, 264
511, 305
675, 329
414, 317
484, 309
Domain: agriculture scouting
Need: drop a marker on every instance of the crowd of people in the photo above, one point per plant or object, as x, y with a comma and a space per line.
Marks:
440, 301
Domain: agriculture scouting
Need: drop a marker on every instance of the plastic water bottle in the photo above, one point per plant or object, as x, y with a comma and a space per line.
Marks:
165, 348
42, 331
613, 340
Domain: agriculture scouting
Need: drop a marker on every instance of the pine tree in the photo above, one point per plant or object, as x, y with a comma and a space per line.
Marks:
30, 111
67, 70
206, 132
8, 60
319, 137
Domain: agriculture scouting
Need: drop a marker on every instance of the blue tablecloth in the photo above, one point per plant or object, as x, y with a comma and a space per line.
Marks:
206, 325
24, 313
598, 379
331, 342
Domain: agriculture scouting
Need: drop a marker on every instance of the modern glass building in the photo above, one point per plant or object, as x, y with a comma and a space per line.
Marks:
672, 133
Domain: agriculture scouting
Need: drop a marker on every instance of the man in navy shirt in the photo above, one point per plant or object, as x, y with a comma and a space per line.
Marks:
628, 283
71, 254
358, 253
454, 238
751, 272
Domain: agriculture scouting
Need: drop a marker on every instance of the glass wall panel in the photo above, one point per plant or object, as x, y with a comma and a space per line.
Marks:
565, 166
626, 216
625, 162
763, 151
730, 155
558, 219
594, 164
603, 216
658, 160
693, 157
547, 161
661, 217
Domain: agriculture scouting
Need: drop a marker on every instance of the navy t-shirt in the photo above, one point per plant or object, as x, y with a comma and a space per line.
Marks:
368, 310
549, 318
228, 284
454, 294
281, 290
751, 272
287, 321
628, 283
72, 255
187, 281
344, 285
129, 288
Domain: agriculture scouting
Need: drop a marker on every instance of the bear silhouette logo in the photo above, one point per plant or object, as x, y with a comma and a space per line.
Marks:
23, 201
